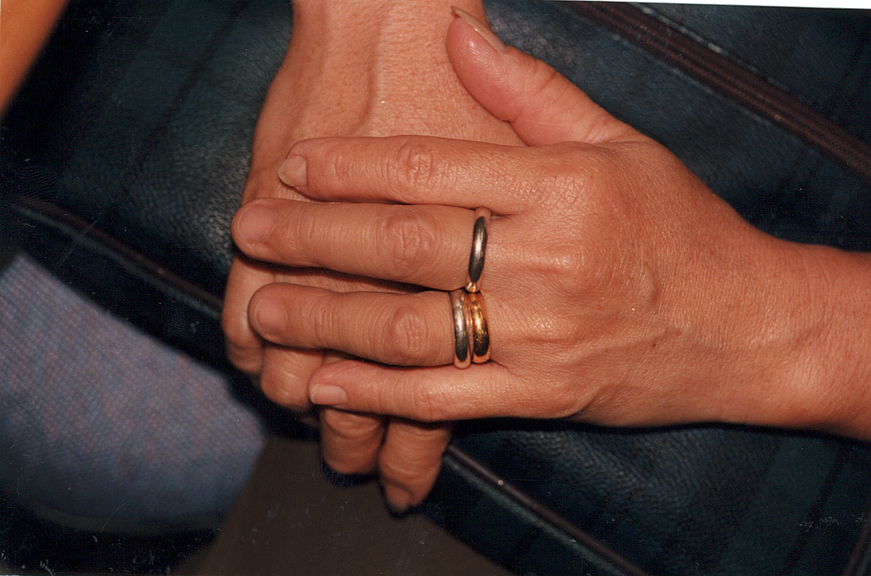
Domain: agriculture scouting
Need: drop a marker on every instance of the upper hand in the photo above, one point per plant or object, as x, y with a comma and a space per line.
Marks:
620, 289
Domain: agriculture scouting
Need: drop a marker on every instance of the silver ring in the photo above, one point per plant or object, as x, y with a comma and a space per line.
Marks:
479, 246
459, 312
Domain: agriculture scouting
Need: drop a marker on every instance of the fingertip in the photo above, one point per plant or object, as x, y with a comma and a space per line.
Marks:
397, 499
246, 358
543, 106
268, 316
294, 171
473, 55
253, 223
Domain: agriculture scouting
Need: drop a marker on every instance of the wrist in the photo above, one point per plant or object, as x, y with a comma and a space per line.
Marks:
836, 360
811, 367
370, 66
355, 20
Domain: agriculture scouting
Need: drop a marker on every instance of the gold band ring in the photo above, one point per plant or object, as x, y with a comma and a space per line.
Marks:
478, 330
462, 348
479, 245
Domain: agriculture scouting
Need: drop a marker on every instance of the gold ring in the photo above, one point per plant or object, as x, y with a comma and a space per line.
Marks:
479, 245
462, 348
477, 329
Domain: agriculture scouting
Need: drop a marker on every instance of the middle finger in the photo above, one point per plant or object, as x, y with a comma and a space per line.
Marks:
422, 245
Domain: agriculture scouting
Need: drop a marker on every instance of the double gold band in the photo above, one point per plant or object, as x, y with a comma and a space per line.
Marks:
468, 312
462, 348
479, 332
471, 332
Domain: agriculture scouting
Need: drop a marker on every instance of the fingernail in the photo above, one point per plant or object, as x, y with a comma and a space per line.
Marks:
398, 500
482, 29
293, 171
256, 223
328, 395
271, 317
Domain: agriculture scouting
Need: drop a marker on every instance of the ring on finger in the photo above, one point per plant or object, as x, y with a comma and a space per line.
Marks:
477, 328
459, 313
479, 246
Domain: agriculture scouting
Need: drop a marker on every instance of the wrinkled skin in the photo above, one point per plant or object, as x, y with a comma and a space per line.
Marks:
620, 289
352, 69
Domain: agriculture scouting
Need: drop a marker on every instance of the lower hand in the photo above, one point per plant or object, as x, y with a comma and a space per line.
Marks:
329, 87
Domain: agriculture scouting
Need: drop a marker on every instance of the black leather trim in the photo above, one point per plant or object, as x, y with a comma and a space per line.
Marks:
607, 557
146, 266
860, 560
733, 81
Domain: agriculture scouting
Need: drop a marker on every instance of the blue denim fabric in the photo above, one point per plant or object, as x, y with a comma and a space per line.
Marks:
106, 428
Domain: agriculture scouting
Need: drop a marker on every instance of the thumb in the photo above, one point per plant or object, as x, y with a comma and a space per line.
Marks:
542, 105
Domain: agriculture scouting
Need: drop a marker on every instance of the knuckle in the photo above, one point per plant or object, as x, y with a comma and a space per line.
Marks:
575, 175
431, 404
405, 473
319, 315
334, 168
566, 269
246, 359
408, 339
243, 353
547, 81
411, 167
408, 238
349, 427
278, 389
233, 330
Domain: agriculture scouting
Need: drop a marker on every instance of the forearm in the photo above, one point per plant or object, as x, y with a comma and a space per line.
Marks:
24, 26
403, 20
386, 54
839, 358
810, 319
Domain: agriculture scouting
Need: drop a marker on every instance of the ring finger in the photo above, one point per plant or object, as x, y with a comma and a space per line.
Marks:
397, 329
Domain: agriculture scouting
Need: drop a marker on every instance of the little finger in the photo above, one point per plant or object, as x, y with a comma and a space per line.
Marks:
410, 459
441, 393
350, 441
285, 373
244, 346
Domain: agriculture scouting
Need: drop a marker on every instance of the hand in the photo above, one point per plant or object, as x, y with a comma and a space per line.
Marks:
394, 77
620, 289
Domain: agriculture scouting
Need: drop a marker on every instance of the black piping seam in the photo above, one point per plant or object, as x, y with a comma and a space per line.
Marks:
88, 230
733, 81
545, 514
859, 557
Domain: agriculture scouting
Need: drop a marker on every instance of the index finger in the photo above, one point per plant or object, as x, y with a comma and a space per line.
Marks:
414, 170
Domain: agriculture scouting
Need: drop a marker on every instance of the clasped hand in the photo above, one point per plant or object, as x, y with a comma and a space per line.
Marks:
620, 289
